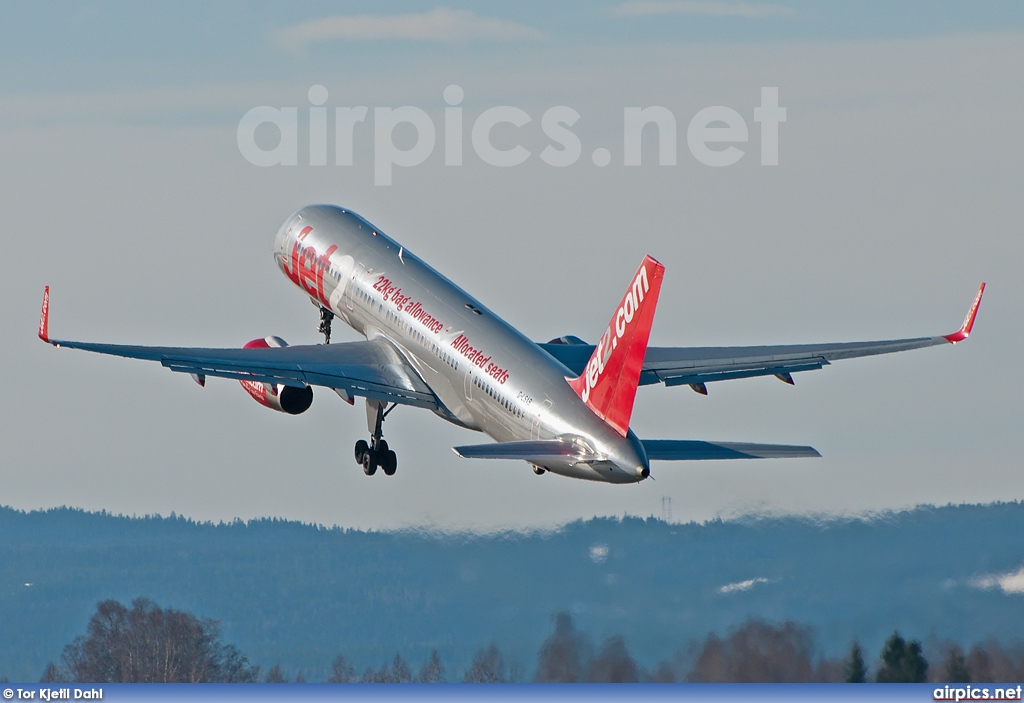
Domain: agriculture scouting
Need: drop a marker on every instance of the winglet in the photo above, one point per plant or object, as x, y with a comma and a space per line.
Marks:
44, 317
965, 329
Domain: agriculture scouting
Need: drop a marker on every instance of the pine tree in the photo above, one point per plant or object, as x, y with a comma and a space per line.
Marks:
856, 671
902, 661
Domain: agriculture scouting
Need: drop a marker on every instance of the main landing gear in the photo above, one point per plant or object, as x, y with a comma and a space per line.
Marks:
326, 316
376, 452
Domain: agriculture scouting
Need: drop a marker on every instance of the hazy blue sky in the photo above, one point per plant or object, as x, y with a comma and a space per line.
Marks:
898, 190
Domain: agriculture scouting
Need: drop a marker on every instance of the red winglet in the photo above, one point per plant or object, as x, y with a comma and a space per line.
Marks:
44, 316
965, 329
609, 380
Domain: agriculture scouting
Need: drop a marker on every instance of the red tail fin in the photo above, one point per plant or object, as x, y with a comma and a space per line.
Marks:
608, 383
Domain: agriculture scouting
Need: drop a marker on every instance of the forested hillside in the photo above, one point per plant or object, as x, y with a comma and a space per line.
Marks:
299, 595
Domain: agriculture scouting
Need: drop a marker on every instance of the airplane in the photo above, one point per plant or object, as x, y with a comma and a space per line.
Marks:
563, 407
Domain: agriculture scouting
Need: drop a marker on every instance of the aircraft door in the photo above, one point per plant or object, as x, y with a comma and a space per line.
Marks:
541, 412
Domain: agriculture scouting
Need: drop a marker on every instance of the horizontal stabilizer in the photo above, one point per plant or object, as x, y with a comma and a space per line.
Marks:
530, 450
693, 450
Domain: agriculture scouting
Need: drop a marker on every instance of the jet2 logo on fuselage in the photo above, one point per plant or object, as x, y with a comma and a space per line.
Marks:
306, 269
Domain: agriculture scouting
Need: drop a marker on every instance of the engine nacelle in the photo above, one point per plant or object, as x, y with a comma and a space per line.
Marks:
284, 399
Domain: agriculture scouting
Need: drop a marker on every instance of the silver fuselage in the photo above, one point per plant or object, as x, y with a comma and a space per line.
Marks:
486, 375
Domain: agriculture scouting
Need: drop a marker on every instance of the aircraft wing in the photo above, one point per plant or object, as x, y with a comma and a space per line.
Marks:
696, 366
373, 369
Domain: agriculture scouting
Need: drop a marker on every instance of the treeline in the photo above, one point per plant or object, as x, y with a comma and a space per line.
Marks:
299, 594
145, 643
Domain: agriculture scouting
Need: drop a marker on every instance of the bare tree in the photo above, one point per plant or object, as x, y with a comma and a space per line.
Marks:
663, 672
515, 672
953, 668
398, 672
148, 644
341, 671
991, 662
674, 668
433, 670
488, 667
713, 663
830, 671
613, 664
756, 652
564, 655
275, 675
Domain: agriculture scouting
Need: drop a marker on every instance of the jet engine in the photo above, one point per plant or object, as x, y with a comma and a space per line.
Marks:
285, 399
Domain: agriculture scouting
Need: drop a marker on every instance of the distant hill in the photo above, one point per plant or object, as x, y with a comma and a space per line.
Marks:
299, 594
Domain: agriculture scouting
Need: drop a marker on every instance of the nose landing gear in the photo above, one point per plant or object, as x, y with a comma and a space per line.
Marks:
326, 317
376, 453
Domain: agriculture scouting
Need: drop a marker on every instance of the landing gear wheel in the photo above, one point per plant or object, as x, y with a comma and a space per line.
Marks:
390, 463
361, 448
369, 462
376, 453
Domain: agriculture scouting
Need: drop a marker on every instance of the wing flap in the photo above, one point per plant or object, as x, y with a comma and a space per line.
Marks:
670, 377
694, 450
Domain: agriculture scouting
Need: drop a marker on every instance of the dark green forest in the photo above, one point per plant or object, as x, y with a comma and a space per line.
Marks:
673, 599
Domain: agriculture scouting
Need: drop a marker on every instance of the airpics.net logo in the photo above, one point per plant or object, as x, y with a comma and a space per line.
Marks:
714, 135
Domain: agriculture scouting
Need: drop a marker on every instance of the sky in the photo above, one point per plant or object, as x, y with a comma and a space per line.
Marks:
897, 191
